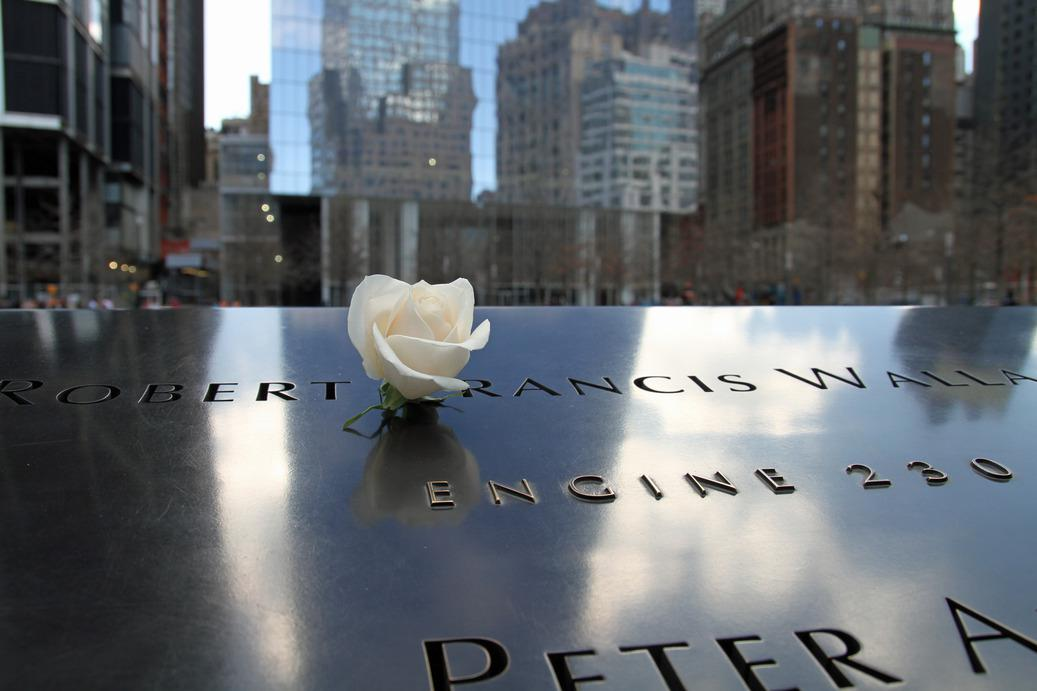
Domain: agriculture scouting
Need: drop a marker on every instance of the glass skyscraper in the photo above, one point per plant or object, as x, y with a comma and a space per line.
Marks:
368, 98
347, 71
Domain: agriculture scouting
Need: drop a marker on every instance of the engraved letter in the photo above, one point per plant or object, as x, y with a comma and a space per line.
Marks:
563, 675
110, 393
970, 649
605, 495
439, 496
821, 383
577, 382
742, 666
483, 388
662, 662
942, 381
770, 477
496, 488
727, 379
439, 670
720, 483
978, 380
640, 383
827, 661
171, 393
652, 488
699, 383
534, 385
991, 470
214, 390
330, 389
13, 393
1015, 377
265, 391
897, 379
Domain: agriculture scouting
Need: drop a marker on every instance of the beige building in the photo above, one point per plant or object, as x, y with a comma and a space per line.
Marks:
539, 82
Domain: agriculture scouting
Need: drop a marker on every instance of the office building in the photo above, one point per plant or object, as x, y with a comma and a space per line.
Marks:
368, 98
540, 80
101, 130
1006, 142
638, 132
827, 131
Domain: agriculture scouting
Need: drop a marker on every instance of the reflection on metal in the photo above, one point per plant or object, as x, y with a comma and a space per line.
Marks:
186, 534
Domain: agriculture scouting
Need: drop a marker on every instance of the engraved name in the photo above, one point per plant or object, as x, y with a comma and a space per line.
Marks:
837, 652
30, 391
596, 489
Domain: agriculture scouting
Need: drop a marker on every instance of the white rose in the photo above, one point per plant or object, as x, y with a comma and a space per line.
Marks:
416, 337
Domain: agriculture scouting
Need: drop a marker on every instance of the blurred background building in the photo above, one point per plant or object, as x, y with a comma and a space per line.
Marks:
102, 130
829, 138
554, 151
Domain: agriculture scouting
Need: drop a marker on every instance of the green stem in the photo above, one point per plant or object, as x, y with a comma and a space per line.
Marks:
350, 421
391, 398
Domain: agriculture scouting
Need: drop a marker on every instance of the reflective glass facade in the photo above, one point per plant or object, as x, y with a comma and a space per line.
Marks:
394, 98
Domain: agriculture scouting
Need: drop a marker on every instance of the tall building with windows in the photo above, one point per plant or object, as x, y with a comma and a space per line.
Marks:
638, 132
1005, 192
540, 91
687, 18
368, 98
827, 128
55, 143
1006, 97
101, 118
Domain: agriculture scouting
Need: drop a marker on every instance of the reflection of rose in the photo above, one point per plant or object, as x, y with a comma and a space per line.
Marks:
411, 451
417, 338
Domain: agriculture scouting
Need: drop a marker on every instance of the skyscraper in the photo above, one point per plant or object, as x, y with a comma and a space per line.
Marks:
684, 23
381, 108
101, 129
638, 132
1006, 100
539, 92
838, 125
1005, 190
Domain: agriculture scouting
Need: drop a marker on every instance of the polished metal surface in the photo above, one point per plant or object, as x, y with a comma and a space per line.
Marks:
723, 509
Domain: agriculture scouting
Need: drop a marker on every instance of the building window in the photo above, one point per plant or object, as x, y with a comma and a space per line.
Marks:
34, 51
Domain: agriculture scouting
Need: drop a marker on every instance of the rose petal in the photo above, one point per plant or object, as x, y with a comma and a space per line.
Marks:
430, 357
451, 296
434, 313
409, 382
374, 300
479, 337
408, 321
438, 358
465, 313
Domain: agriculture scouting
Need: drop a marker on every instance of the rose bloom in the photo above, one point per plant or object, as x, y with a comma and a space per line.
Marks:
416, 337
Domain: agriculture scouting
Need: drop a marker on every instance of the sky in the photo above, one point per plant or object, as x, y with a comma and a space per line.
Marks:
237, 44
